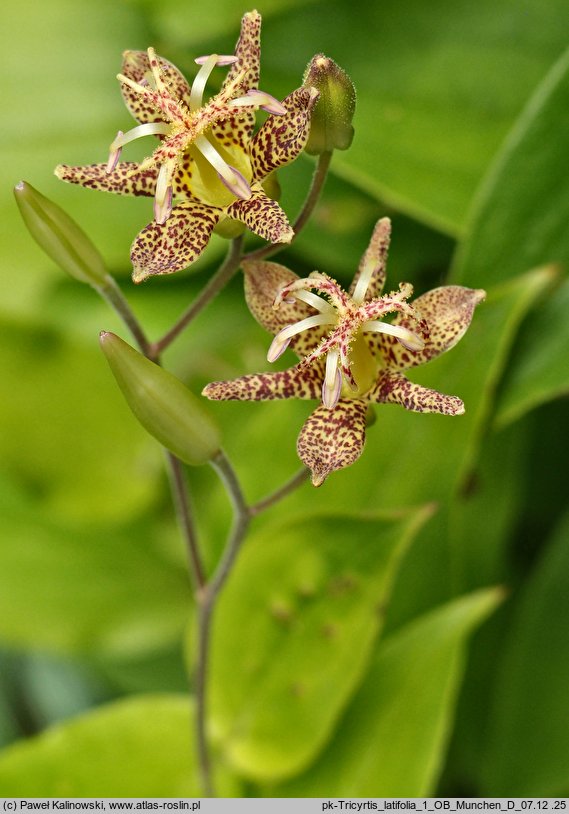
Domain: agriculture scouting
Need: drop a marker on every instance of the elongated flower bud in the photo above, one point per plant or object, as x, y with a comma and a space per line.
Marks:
60, 237
331, 122
163, 405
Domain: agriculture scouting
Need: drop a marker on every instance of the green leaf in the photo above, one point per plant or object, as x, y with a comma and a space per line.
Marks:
141, 747
528, 749
90, 590
299, 616
175, 20
67, 111
539, 371
520, 217
391, 740
439, 86
67, 435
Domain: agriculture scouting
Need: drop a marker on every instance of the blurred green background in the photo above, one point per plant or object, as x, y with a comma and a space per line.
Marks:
440, 561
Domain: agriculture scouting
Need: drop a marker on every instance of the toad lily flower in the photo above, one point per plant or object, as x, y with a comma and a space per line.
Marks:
351, 357
208, 158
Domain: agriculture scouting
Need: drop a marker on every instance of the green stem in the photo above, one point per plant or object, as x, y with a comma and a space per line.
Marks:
207, 599
207, 294
316, 186
180, 496
112, 294
243, 513
285, 490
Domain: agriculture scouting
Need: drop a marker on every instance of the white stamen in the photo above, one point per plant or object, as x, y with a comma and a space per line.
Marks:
332, 385
222, 59
281, 341
148, 129
163, 182
259, 98
239, 186
163, 210
364, 280
408, 339
231, 177
277, 348
315, 301
200, 81
114, 154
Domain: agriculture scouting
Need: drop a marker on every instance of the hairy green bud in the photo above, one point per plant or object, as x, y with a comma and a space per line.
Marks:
163, 405
60, 237
331, 122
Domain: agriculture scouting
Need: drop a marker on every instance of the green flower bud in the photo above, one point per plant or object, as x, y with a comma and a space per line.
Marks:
163, 405
331, 122
60, 237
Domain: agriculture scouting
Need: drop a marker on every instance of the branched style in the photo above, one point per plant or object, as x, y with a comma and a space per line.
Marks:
209, 165
351, 357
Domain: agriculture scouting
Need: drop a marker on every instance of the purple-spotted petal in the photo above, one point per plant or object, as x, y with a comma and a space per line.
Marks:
263, 216
125, 179
394, 388
248, 53
370, 276
238, 129
295, 383
332, 439
173, 245
448, 313
263, 281
136, 66
282, 138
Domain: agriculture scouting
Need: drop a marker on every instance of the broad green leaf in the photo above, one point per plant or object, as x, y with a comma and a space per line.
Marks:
539, 370
392, 738
140, 747
439, 85
96, 590
66, 111
520, 217
66, 433
294, 631
528, 749
486, 508
470, 536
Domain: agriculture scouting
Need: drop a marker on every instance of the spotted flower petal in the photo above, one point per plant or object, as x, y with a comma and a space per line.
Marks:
126, 178
369, 280
239, 129
173, 245
394, 388
136, 66
296, 382
355, 354
332, 439
448, 312
282, 138
204, 151
263, 216
263, 281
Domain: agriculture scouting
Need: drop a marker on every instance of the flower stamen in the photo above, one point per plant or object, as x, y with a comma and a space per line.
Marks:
332, 384
408, 339
261, 99
199, 83
282, 340
231, 177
